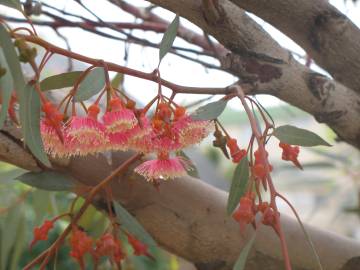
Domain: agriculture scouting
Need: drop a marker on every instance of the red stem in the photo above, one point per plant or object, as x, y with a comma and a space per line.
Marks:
273, 192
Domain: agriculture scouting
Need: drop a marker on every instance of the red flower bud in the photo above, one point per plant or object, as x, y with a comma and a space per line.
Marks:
41, 233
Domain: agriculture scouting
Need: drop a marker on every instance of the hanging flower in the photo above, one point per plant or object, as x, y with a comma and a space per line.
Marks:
52, 143
163, 167
118, 119
140, 137
245, 213
85, 135
107, 245
190, 131
80, 244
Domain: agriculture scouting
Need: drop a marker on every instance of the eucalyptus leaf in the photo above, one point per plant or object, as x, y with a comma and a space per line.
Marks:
59, 81
48, 180
168, 38
238, 184
13, 63
241, 261
91, 85
210, 111
298, 136
12, 4
6, 87
129, 223
30, 113
118, 80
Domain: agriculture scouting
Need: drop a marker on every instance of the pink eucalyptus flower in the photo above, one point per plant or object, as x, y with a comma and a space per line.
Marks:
51, 140
164, 167
190, 131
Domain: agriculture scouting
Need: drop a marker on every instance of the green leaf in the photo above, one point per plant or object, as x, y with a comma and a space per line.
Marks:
210, 111
13, 62
12, 4
59, 81
91, 85
118, 80
238, 184
8, 238
298, 136
19, 244
30, 115
48, 180
132, 225
168, 38
241, 261
6, 87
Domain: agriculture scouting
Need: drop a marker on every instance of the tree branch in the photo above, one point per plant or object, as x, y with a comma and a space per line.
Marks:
188, 217
326, 34
267, 68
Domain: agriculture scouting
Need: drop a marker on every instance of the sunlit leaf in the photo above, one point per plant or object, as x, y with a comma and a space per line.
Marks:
168, 38
91, 85
298, 136
12, 62
59, 81
6, 87
238, 184
129, 223
12, 4
210, 111
30, 115
241, 261
118, 80
48, 180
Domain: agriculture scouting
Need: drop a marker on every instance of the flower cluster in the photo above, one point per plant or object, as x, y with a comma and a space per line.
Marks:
247, 210
108, 245
123, 127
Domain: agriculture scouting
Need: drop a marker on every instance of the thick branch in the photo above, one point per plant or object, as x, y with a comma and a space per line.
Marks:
188, 217
270, 69
329, 37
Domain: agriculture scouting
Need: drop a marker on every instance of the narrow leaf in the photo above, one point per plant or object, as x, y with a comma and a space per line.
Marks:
298, 136
12, 4
6, 87
30, 115
210, 111
238, 185
168, 38
59, 81
118, 80
48, 180
241, 261
13, 62
132, 225
91, 85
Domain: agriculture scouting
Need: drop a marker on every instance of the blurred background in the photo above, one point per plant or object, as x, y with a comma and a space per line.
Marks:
326, 194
